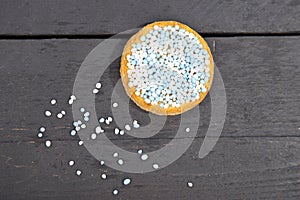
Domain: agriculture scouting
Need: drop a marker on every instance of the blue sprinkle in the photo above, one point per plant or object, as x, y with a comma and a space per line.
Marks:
142, 38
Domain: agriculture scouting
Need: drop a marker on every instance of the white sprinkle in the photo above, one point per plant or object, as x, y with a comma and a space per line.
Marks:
63, 112
59, 115
95, 91
144, 157
80, 143
115, 105
115, 192
155, 166
117, 131
82, 110
98, 129
78, 172
48, 113
39, 135
98, 85
73, 97
126, 181
115, 154
48, 143
190, 184
107, 121
53, 102
93, 136
77, 128
187, 130
71, 162
101, 162
122, 132
110, 119
86, 114
120, 162
70, 101
101, 120
136, 126
83, 126
42, 129
72, 132
103, 176
140, 151
79, 122
127, 127
86, 119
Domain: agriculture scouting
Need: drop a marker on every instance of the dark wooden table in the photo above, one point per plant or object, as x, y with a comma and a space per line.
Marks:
257, 50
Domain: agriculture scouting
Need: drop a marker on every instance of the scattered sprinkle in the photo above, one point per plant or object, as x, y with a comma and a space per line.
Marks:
117, 131
144, 157
115, 192
42, 129
83, 126
136, 126
140, 151
98, 129
101, 120
95, 91
126, 181
82, 110
155, 166
103, 176
190, 184
48, 143
78, 172
187, 130
80, 143
98, 85
72, 132
63, 112
71, 162
93, 136
86, 114
122, 132
115, 154
72, 99
114, 105
120, 162
40, 135
59, 115
48, 113
110, 119
101, 162
127, 127
53, 101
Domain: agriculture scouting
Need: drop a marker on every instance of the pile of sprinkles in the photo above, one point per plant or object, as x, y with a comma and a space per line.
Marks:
168, 67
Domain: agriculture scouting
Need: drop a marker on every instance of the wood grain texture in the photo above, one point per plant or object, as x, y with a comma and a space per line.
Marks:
257, 156
261, 77
75, 17
238, 168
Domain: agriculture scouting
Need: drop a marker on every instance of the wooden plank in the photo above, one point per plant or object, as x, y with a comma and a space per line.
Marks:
261, 77
237, 168
35, 17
